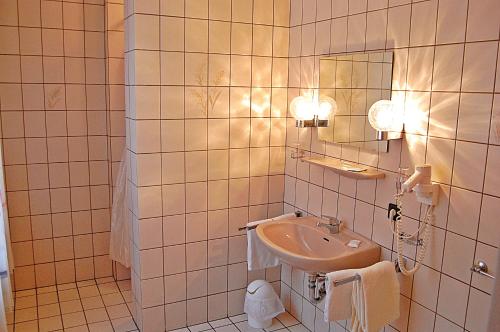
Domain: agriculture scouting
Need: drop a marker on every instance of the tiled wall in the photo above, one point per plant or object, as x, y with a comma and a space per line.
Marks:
208, 83
206, 115
55, 130
446, 55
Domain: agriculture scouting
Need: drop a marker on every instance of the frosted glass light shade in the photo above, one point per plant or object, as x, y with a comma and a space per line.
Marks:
326, 106
300, 108
384, 115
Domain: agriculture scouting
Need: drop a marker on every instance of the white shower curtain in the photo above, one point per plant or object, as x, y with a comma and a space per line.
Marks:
6, 261
119, 241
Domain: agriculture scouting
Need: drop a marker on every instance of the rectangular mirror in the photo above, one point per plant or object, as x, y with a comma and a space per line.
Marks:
355, 81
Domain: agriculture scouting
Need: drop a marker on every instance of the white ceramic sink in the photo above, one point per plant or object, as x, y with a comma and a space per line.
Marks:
302, 244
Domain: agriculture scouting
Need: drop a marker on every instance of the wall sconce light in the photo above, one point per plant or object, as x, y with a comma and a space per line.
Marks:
387, 119
312, 112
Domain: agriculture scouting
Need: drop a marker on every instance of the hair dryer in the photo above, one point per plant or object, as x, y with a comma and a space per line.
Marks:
420, 182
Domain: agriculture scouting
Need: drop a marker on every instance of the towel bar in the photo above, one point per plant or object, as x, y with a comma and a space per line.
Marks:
249, 228
346, 280
357, 277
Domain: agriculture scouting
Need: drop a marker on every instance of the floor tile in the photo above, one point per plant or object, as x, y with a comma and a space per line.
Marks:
238, 318
67, 286
287, 319
71, 306
23, 293
47, 298
184, 329
112, 299
220, 322
244, 327
48, 289
73, 319
96, 315
276, 325
101, 327
124, 285
81, 328
104, 280
108, 288
50, 324
124, 324
68, 295
60, 307
127, 296
88, 291
199, 327
227, 328
118, 311
85, 283
49, 310
31, 326
26, 302
23, 315
298, 328
92, 303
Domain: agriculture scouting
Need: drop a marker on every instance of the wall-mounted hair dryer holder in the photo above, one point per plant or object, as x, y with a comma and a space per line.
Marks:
427, 193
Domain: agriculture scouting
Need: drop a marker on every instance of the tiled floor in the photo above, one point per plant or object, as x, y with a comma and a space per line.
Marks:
284, 323
94, 305
103, 306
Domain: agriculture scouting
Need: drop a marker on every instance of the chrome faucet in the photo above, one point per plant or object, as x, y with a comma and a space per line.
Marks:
333, 224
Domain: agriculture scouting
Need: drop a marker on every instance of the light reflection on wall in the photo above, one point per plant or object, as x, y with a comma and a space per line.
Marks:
416, 112
259, 102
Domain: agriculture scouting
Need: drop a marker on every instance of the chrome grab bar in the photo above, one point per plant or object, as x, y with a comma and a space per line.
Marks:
482, 268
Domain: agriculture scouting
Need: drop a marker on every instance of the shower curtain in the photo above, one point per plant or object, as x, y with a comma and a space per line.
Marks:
119, 241
6, 261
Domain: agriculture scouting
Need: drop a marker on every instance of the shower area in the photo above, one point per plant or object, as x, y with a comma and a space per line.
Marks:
63, 135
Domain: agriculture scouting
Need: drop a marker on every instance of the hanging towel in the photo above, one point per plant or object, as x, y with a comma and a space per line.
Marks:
375, 298
258, 256
338, 298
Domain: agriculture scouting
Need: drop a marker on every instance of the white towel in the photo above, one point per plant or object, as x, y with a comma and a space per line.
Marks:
258, 256
338, 299
375, 298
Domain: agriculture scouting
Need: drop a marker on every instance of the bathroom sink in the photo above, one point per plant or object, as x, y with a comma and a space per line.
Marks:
302, 244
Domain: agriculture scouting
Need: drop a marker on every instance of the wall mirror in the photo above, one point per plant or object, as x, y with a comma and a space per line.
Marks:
356, 82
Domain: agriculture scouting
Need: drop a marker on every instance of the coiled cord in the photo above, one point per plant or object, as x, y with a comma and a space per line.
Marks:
400, 236
399, 214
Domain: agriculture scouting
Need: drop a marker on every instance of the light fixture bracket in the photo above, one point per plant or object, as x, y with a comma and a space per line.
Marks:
315, 122
388, 135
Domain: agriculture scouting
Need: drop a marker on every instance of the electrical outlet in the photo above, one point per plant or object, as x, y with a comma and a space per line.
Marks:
392, 206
